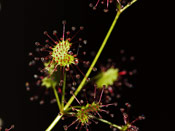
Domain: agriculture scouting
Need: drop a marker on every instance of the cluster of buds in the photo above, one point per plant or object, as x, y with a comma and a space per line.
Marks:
119, 4
62, 56
129, 125
85, 114
61, 65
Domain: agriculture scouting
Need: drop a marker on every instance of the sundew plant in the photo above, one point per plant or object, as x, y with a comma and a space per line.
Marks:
80, 97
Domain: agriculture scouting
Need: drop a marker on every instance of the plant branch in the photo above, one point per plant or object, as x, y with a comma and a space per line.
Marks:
106, 122
94, 61
90, 70
129, 4
54, 122
63, 90
57, 97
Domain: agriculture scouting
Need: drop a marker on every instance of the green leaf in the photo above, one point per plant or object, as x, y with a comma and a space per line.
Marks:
107, 78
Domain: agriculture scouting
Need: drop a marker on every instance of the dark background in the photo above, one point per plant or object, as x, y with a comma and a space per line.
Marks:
140, 31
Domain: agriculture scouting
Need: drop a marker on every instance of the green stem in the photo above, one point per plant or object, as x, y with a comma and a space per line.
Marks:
57, 98
129, 4
88, 72
94, 61
92, 65
107, 122
63, 90
54, 122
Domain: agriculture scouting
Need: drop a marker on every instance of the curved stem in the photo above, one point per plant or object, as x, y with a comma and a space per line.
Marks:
91, 67
57, 98
88, 72
94, 61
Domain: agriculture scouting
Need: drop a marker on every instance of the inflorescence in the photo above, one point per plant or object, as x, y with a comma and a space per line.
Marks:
85, 114
119, 4
61, 58
129, 125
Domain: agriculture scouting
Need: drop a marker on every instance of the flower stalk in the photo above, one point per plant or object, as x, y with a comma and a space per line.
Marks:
88, 73
57, 97
54, 122
107, 122
63, 90
94, 61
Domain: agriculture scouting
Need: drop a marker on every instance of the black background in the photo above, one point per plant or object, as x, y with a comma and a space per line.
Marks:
140, 31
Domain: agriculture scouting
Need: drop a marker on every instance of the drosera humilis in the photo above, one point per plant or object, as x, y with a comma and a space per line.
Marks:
84, 114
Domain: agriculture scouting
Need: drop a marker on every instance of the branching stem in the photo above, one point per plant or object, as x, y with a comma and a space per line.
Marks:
107, 122
90, 69
94, 61
54, 122
57, 97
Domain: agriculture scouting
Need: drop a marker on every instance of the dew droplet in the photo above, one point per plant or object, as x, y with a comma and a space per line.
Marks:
88, 79
36, 58
31, 98
128, 105
81, 101
30, 53
112, 115
132, 58
85, 42
91, 5
122, 110
94, 8
45, 33
74, 83
54, 32
73, 28
64, 22
28, 88
73, 88
78, 76
67, 68
41, 102
65, 127
84, 53
37, 43
105, 10
81, 27
94, 69
42, 59
35, 76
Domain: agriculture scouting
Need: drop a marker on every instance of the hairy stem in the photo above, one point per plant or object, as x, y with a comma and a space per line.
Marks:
129, 4
91, 67
63, 90
88, 72
57, 97
107, 122
94, 61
